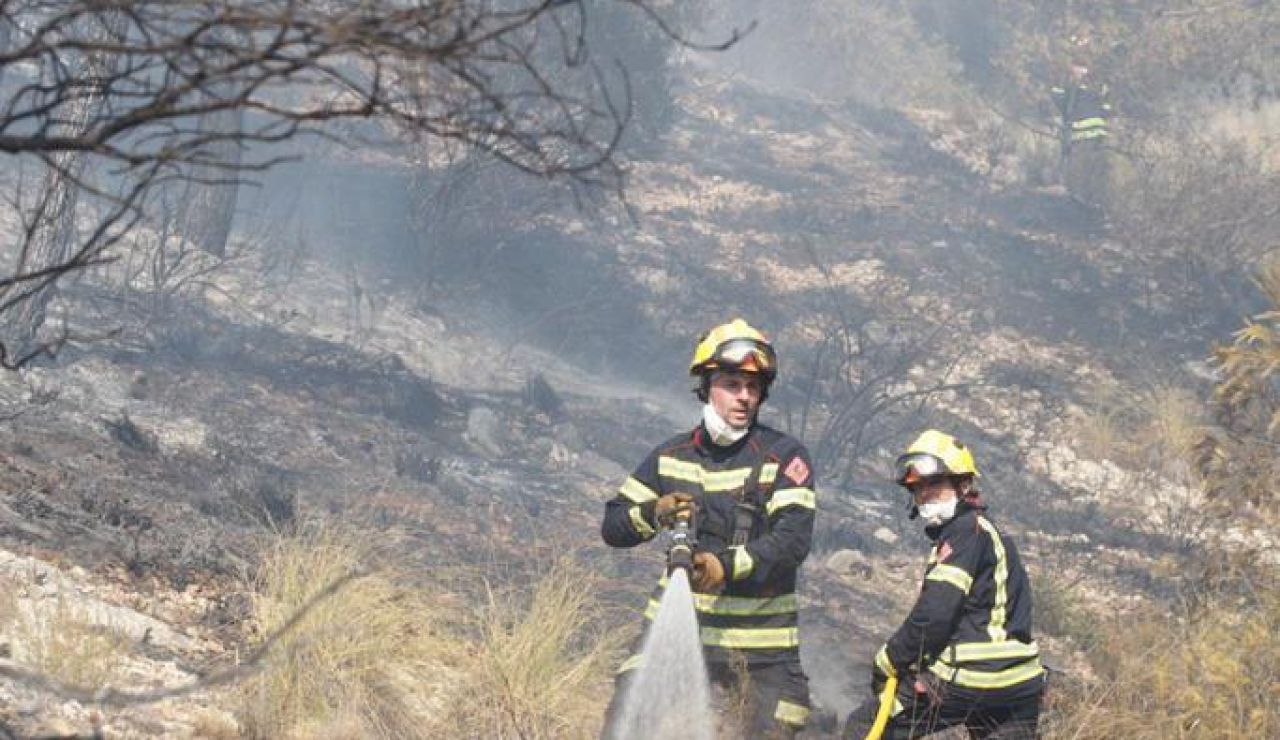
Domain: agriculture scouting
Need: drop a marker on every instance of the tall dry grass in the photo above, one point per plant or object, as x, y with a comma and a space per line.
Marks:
1153, 426
367, 661
61, 639
541, 665
388, 657
1213, 673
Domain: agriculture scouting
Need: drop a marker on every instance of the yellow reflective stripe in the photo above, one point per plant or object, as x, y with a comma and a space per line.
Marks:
679, 469
743, 563
1091, 134
632, 663
791, 497
988, 679
745, 605
796, 715
969, 651
768, 472
637, 520
1092, 122
995, 628
725, 480
637, 492
951, 574
882, 662
709, 480
737, 606
747, 638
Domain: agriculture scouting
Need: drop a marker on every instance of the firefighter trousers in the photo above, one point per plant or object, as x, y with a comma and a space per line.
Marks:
1011, 713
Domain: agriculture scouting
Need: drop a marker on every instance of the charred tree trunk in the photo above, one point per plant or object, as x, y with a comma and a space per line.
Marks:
208, 198
52, 238
51, 242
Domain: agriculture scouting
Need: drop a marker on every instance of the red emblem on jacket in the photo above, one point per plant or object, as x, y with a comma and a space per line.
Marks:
797, 470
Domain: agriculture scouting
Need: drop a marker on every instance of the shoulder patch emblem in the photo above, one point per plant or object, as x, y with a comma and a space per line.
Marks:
944, 552
797, 470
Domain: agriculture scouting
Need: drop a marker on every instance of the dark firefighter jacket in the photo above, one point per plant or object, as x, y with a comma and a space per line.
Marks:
971, 624
755, 617
1085, 112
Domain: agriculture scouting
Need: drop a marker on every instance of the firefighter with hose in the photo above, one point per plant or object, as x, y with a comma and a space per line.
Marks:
738, 497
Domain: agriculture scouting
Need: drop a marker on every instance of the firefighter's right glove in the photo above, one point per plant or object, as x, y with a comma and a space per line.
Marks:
670, 505
932, 686
708, 573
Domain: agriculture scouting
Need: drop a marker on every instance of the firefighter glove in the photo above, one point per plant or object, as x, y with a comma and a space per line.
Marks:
930, 687
671, 505
708, 572
878, 680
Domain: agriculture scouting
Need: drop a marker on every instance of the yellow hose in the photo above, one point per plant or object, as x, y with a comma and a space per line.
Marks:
886, 708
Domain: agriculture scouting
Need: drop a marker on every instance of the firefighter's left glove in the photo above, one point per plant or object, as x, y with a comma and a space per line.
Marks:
670, 505
708, 573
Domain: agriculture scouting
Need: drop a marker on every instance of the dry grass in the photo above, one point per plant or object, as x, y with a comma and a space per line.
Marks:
383, 658
1210, 674
61, 640
1059, 609
209, 724
542, 665
365, 662
1154, 427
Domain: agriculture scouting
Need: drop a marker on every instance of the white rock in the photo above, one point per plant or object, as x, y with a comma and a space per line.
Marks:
885, 535
847, 561
484, 431
174, 435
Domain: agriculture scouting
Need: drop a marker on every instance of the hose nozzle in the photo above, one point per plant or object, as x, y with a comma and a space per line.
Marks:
680, 553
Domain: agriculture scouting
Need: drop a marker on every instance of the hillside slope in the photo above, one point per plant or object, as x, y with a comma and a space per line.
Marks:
161, 461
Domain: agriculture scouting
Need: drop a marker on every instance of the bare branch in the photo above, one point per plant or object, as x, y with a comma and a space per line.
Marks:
114, 98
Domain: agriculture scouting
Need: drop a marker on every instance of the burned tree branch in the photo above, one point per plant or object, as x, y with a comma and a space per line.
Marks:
113, 98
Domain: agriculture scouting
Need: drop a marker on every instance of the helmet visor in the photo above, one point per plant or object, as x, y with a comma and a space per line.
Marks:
916, 466
746, 354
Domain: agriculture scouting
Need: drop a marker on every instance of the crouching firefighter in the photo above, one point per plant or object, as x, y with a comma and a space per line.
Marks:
964, 656
749, 489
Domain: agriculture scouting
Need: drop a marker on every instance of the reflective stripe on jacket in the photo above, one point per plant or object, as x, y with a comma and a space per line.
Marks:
971, 624
756, 615
1085, 112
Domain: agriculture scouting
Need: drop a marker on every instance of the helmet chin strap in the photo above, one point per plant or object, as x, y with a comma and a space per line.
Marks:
721, 433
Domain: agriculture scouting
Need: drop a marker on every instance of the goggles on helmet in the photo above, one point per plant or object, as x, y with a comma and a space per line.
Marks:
916, 466
743, 354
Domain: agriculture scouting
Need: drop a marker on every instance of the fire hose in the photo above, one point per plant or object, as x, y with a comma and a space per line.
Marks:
886, 708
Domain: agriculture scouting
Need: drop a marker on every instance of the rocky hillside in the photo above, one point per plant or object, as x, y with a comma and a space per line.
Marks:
480, 422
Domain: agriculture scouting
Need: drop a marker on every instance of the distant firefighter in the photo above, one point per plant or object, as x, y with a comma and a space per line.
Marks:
1085, 126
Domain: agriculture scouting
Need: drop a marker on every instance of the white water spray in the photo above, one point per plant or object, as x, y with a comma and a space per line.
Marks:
669, 697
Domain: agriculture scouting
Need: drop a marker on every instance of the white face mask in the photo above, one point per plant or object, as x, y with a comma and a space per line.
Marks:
935, 513
721, 433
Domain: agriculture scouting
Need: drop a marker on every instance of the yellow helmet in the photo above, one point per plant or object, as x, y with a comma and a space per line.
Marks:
735, 346
934, 453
